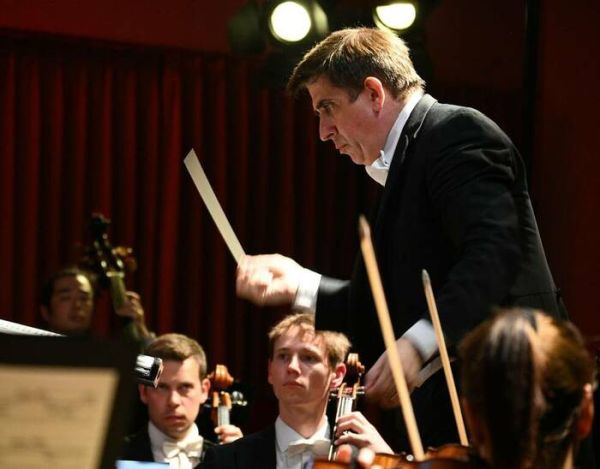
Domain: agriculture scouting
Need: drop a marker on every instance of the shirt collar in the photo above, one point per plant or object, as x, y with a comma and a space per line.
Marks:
285, 434
379, 168
157, 438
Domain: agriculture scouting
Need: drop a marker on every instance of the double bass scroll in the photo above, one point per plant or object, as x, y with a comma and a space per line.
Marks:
110, 263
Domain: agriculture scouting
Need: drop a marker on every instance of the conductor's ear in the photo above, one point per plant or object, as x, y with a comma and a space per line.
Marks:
376, 92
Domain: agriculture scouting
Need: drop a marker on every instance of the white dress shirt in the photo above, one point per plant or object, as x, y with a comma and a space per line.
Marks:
420, 334
292, 450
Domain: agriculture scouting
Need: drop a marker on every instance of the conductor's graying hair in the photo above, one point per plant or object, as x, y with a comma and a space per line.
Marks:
348, 56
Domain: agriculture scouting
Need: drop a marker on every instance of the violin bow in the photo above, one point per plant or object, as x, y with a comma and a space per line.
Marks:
435, 320
387, 331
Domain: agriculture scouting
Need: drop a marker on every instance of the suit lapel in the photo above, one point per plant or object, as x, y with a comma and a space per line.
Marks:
263, 452
139, 447
408, 135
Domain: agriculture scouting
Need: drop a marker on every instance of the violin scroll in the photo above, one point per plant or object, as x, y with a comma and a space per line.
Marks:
220, 379
355, 369
351, 387
222, 401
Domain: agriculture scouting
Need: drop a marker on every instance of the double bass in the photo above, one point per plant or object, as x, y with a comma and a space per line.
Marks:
110, 265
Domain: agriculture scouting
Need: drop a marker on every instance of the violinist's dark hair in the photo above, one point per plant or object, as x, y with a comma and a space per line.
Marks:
336, 344
177, 347
70, 271
523, 375
567, 367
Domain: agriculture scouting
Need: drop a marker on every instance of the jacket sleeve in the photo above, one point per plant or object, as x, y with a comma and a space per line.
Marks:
332, 304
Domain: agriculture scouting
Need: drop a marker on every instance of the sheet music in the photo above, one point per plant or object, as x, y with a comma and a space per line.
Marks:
212, 204
54, 416
8, 327
124, 464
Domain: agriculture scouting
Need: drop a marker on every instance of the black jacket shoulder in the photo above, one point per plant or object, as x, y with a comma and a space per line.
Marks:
254, 451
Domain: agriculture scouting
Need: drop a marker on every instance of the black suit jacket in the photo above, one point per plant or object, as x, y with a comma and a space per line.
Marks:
137, 447
455, 203
254, 451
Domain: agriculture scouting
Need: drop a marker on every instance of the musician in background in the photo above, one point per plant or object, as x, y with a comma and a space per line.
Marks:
527, 390
173, 406
67, 302
304, 366
67, 306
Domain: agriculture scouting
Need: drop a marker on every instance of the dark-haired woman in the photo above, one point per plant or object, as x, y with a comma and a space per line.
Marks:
527, 390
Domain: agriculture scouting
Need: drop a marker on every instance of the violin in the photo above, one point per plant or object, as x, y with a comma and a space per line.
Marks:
347, 393
326, 464
452, 456
223, 401
448, 456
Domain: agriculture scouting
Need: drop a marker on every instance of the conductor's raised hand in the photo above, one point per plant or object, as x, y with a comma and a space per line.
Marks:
268, 279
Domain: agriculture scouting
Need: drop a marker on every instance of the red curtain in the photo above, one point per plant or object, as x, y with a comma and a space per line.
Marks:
89, 127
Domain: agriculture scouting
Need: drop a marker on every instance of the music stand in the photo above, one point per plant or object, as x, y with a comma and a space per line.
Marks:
64, 402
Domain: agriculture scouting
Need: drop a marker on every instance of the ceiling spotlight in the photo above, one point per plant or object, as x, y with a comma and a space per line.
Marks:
290, 22
293, 21
396, 16
245, 30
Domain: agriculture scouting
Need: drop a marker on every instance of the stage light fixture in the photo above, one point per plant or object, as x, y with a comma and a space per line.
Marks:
290, 22
396, 16
294, 21
245, 30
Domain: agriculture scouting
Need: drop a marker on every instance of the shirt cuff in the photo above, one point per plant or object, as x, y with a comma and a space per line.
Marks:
422, 336
308, 287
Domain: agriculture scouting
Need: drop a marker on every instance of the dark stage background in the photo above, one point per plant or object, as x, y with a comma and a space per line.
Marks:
99, 107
